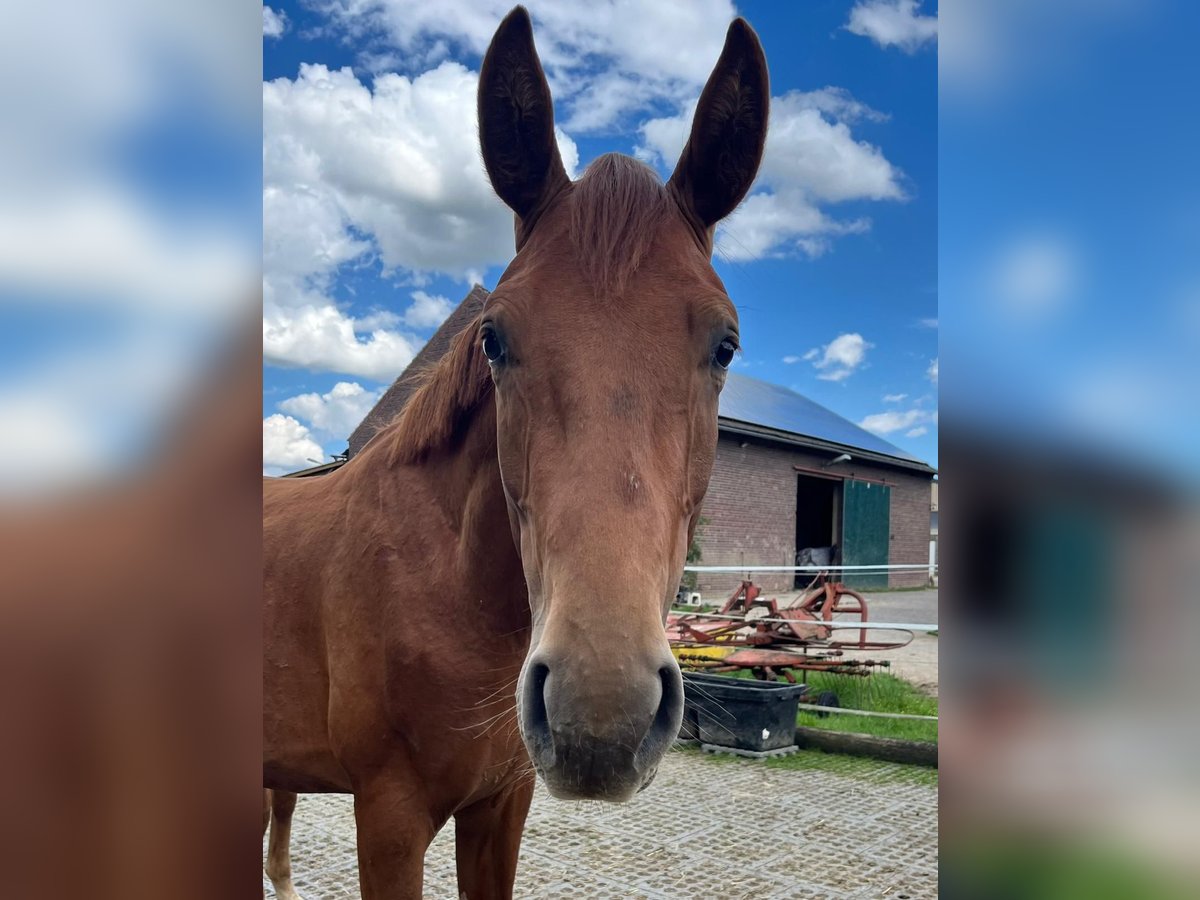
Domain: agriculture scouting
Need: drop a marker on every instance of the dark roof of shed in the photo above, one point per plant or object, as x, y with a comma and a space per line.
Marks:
319, 469
748, 406
751, 406
393, 400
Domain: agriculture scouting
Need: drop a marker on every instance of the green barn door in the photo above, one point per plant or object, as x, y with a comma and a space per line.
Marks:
866, 529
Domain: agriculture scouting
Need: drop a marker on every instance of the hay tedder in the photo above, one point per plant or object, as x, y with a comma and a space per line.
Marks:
773, 641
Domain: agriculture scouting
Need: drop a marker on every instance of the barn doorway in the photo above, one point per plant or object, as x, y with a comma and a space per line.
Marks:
818, 516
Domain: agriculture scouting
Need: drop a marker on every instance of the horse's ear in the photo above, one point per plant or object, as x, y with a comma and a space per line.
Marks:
729, 131
516, 119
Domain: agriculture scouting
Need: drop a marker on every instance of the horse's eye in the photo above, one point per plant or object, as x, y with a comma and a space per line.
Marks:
492, 348
723, 355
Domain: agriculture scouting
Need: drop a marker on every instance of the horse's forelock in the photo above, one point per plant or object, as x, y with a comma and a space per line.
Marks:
617, 206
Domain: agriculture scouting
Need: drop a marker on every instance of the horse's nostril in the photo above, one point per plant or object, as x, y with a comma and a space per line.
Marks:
672, 690
535, 718
665, 725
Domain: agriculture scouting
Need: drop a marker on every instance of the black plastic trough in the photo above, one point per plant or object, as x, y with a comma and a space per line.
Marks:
741, 714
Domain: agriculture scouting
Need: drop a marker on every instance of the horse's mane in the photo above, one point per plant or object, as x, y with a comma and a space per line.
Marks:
439, 409
617, 206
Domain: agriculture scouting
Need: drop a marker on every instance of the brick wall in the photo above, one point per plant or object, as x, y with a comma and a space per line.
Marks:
751, 512
910, 527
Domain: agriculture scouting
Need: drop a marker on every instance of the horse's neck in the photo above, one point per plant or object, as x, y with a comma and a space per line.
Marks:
464, 486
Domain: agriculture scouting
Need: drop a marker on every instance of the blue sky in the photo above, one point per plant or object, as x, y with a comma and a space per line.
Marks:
130, 230
377, 217
1069, 225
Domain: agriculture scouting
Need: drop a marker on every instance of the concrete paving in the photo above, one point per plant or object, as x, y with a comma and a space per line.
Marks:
707, 827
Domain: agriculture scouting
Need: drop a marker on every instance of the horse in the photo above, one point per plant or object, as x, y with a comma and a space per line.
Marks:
278, 807
478, 597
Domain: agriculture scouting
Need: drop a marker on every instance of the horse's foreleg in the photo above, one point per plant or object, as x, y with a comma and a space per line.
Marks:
487, 840
394, 829
266, 816
279, 861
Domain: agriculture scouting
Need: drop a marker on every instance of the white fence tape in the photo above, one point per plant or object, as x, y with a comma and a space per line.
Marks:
838, 711
836, 623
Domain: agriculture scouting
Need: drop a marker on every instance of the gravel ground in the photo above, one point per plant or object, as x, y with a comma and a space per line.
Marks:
707, 827
904, 606
918, 662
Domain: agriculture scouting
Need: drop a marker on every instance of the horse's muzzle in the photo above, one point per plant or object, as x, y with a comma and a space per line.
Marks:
598, 739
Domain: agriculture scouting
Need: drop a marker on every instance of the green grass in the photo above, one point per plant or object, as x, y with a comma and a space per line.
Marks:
1057, 869
878, 692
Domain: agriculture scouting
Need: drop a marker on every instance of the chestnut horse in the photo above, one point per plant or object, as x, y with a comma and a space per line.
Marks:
520, 531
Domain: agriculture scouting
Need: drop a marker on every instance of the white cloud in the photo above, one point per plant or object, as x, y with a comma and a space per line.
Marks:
894, 398
84, 411
988, 51
836, 102
305, 234
397, 162
427, 311
83, 222
569, 152
323, 338
97, 244
287, 445
839, 359
819, 155
375, 320
916, 432
44, 443
358, 175
115, 65
333, 415
929, 323
1124, 395
778, 224
932, 372
274, 23
605, 61
789, 360
812, 159
1034, 275
893, 23
898, 420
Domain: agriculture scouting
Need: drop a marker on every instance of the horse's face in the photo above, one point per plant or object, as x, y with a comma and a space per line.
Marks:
606, 427
608, 339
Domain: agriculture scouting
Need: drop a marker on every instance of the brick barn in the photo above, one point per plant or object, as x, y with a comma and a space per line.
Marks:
789, 474
792, 474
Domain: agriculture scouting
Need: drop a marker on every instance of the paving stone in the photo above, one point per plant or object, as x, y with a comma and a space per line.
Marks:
707, 827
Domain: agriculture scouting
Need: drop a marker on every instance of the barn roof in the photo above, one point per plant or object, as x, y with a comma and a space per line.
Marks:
753, 407
748, 406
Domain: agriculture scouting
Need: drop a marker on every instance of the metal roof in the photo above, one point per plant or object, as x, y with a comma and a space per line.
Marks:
776, 411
